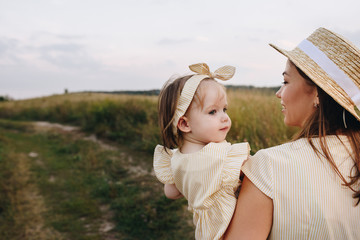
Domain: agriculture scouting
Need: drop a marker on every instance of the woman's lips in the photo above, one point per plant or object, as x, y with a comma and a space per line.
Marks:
283, 107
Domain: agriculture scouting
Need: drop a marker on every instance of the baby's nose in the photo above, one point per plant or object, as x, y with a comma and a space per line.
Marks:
225, 118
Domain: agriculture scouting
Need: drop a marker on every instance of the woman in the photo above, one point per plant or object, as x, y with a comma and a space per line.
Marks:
309, 188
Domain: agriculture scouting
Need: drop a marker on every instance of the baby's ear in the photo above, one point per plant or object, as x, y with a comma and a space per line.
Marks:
183, 124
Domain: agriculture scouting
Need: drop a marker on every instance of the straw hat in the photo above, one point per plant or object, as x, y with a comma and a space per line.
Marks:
332, 63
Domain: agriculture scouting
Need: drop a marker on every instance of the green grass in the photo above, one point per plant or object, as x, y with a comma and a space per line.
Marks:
75, 178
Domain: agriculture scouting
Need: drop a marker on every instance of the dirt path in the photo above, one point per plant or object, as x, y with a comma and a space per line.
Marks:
106, 224
47, 126
51, 158
28, 204
135, 169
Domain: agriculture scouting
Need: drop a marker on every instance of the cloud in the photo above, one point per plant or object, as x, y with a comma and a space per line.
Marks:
65, 47
169, 41
202, 39
67, 55
174, 41
7, 44
9, 48
50, 52
49, 36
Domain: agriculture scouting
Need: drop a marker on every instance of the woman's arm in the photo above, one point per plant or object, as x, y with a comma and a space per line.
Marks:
253, 214
171, 191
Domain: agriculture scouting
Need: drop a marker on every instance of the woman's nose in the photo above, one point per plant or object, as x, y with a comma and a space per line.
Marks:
278, 93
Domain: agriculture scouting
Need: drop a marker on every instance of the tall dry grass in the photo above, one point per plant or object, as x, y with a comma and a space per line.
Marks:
137, 201
257, 118
132, 119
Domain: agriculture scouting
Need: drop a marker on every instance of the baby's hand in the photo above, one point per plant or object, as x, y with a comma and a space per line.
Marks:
172, 192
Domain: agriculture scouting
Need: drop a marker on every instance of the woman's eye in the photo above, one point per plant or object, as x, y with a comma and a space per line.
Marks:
212, 112
284, 82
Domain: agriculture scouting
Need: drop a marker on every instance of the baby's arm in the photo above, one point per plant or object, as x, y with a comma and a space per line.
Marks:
172, 192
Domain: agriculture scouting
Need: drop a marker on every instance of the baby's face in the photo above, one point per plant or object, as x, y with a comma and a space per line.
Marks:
209, 121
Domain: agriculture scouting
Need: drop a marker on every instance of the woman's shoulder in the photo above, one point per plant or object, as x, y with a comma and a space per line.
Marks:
288, 148
303, 145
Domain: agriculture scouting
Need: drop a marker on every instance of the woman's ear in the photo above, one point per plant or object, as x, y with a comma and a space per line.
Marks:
183, 124
316, 99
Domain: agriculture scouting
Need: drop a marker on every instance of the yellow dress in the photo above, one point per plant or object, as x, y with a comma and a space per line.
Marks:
310, 201
207, 179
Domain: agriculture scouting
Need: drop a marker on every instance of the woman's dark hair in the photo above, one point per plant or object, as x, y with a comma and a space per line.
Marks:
328, 120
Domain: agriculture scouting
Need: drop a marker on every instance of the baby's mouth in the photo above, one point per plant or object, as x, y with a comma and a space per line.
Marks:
224, 128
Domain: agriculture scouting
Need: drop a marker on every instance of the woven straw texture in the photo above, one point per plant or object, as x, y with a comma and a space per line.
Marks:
340, 51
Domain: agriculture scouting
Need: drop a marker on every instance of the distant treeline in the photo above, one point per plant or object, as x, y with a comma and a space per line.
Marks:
155, 92
250, 87
5, 98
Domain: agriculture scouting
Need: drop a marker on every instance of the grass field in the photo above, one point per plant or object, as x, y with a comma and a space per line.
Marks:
57, 185
60, 185
132, 119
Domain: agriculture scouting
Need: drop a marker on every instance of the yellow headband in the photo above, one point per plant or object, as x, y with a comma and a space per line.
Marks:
224, 73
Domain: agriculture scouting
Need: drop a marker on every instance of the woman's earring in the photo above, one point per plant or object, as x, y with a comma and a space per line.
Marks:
344, 118
316, 103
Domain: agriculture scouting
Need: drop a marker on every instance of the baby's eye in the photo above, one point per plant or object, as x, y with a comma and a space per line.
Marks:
225, 109
212, 112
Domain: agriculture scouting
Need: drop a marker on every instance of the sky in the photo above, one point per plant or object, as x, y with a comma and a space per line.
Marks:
49, 46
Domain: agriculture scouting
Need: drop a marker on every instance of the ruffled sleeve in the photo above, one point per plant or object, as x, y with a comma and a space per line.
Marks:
162, 165
259, 170
236, 156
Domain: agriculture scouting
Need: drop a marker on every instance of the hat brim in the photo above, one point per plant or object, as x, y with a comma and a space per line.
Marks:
319, 77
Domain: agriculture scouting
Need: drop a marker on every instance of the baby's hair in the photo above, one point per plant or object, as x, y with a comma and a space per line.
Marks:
168, 99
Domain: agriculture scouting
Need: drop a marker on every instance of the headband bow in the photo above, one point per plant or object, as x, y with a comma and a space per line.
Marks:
224, 73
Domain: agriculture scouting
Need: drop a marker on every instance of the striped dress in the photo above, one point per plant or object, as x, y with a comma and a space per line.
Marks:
207, 179
309, 199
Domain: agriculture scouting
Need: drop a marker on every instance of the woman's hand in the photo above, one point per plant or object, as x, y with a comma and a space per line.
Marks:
253, 214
